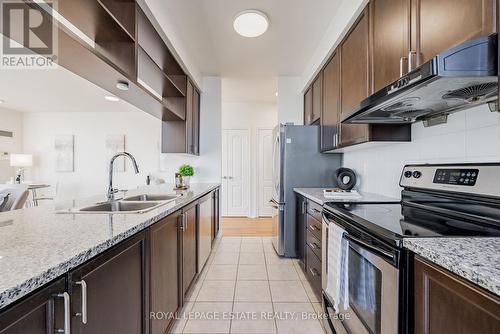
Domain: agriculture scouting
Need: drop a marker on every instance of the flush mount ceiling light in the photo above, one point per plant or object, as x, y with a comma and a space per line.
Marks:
251, 23
2, 101
111, 98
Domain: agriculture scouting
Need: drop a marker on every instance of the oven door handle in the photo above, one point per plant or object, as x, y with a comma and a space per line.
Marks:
388, 255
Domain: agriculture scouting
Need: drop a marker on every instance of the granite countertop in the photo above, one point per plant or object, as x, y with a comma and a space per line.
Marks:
316, 195
38, 244
475, 259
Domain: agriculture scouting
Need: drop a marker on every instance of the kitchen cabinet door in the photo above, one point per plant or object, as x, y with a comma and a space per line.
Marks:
113, 289
308, 106
205, 223
445, 303
188, 247
216, 213
317, 98
301, 221
40, 313
196, 123
390, 25
330, 116
189, 117
355, 78
165, 264
442, 24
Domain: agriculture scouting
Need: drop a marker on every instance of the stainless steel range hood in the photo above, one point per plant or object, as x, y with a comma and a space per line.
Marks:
459, 78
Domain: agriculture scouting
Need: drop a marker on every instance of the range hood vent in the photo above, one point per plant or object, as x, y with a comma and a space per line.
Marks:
462, 77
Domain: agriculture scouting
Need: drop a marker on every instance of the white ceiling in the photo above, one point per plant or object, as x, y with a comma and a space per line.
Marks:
205, 28
54, 90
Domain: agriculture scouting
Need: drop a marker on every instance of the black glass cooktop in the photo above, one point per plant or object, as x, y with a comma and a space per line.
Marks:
439, 218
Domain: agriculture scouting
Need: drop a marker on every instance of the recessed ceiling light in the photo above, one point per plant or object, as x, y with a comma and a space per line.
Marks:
111, 98
122, 85
2, 101
251, 23
276, 94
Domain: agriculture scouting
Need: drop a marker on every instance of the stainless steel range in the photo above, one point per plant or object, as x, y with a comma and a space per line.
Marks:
437, 201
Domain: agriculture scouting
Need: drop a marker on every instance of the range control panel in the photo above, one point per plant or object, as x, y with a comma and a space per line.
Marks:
461, 177
480, 179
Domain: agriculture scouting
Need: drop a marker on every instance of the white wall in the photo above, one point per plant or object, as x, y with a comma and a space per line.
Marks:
10, 120
143, 135
344, 17
290, 100
252, 116
469, 136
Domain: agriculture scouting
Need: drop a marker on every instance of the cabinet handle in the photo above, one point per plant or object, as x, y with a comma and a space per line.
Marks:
84, 313
401, 61
313, 228
303, 207
67, 316
313, 245
313, 272
410, 60
316, 210
181, 222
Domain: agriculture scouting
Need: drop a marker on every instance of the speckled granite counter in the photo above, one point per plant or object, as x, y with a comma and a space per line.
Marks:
475, 259
38, 245
316, 195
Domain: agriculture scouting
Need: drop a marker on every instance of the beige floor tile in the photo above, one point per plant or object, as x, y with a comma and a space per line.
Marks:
273, 258
219, 321
252, 258
267, 240
300, 272
216, 291
252, 318
182, 318
252, 291
288, 291
226, 258
282, 272
251, 240
313, 298
268, 247
231, 247
222, 272
303, 319
230, 240
252, 272
252, 248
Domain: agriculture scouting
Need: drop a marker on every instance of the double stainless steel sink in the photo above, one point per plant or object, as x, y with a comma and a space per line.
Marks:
133, 204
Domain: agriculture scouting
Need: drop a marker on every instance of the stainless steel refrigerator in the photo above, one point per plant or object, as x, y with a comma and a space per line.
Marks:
297, 162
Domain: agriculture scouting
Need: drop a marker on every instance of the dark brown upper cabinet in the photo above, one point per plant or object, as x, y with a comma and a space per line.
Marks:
165, 256
445, 303
330, 113
308, 106
184, 136
442, 24
355, 78
317, 97
390, 36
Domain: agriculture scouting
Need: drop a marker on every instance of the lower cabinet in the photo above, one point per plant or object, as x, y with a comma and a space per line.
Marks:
445, 303
300, 223
42, 313
216, 219
165, 255
188, 232
109, 294
205, 229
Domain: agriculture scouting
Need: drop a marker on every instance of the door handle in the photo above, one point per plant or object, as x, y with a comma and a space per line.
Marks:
410, 60
313, 272
401, 66
67, 315
313, 245
84, 312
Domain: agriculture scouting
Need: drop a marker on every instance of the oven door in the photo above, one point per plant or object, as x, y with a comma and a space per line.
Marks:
373, 291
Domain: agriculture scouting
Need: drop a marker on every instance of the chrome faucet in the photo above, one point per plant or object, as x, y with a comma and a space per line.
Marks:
111, 190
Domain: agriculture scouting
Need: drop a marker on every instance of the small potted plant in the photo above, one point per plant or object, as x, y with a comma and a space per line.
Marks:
186, 172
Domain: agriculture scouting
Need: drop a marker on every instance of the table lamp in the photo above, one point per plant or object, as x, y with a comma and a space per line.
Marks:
22, 161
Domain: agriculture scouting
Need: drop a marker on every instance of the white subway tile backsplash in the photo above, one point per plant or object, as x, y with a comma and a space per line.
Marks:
469, 136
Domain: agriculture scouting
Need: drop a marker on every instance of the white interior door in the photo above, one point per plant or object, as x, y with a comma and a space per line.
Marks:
265, 171
235, 172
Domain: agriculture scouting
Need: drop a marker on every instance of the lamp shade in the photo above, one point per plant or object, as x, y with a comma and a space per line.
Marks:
21, 160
